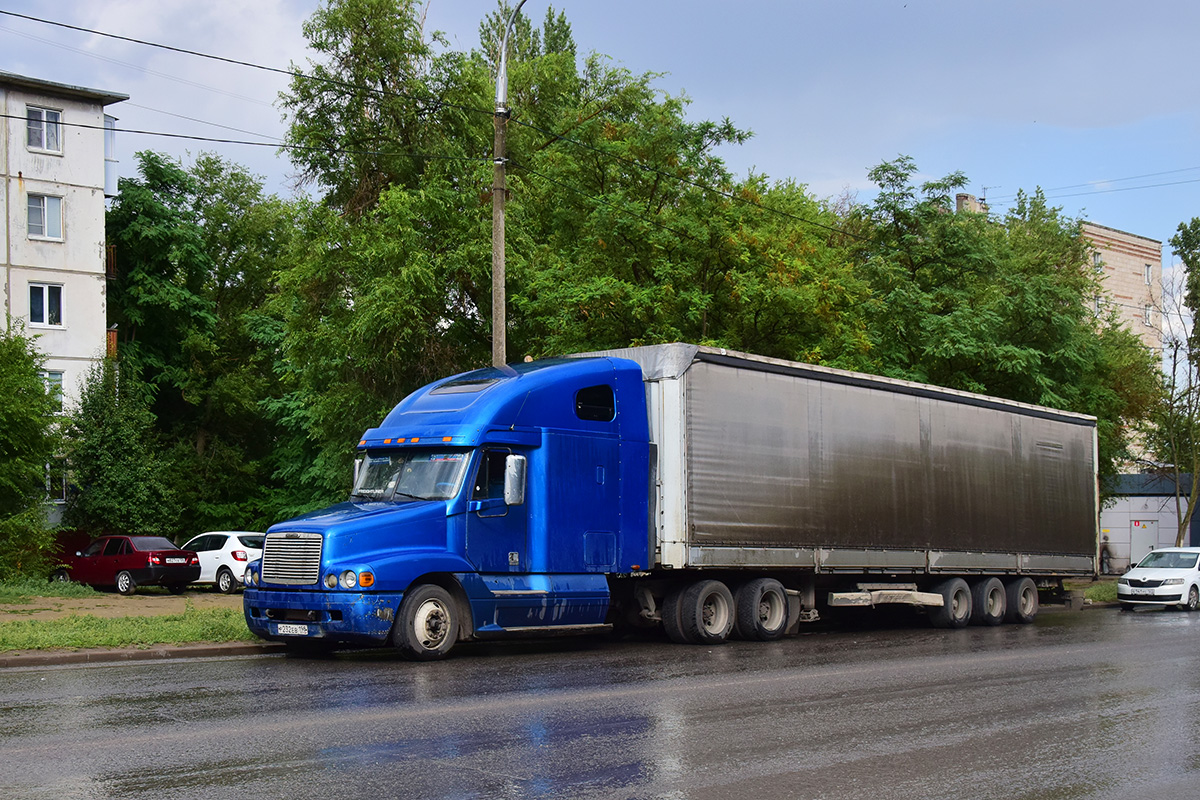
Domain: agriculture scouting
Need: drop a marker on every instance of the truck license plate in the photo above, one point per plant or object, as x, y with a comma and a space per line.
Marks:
287, 629
1140, 590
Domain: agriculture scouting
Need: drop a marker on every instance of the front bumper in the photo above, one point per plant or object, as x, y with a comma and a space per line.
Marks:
1161, 595
356, 618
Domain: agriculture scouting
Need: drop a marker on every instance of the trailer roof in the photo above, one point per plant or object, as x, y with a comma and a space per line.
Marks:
671, 361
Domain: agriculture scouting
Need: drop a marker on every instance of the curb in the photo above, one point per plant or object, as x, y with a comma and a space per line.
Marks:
46, 658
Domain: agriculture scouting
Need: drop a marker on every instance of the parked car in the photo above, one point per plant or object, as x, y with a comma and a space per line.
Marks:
1170, 576
224, 556
128, 562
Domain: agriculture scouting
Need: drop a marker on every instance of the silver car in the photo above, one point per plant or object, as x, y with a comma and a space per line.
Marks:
1170, 576
224, 556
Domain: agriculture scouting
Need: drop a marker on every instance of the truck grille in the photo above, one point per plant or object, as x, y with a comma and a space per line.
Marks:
292, 559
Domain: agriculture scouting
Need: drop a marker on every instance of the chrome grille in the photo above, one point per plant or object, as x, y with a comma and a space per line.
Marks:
292, 559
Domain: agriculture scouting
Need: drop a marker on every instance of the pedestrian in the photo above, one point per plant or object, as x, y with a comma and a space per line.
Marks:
1105, 556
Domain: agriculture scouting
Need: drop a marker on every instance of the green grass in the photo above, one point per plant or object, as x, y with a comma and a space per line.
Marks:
79, 631
1102, 592
22, 590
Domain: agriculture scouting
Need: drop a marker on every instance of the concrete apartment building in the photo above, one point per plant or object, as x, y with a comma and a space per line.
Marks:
1130, 269
56, 161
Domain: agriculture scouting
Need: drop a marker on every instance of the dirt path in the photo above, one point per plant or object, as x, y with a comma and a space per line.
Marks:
115, 605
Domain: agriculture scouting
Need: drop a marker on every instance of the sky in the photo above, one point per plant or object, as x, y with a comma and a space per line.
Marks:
1095, 101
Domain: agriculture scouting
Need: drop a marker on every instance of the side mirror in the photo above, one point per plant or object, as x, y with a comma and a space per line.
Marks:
514, 480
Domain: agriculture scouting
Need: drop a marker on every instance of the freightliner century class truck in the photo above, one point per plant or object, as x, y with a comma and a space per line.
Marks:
711, 493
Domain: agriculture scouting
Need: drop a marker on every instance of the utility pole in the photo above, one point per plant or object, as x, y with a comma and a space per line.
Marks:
499, 195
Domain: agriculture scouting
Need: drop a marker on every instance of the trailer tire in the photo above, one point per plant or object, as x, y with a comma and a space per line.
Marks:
1021, 601
955, 611
988, 602
427, 625
762, 610
706, 612
671, 620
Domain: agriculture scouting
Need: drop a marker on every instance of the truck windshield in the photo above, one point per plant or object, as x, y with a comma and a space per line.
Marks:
411, 474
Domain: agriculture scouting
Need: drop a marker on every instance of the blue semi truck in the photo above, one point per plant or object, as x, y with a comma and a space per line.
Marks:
706, 492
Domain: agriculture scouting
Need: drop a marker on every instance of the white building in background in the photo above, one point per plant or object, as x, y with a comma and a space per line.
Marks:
57, 164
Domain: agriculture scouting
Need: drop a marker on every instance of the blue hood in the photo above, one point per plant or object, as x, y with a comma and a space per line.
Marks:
366, 531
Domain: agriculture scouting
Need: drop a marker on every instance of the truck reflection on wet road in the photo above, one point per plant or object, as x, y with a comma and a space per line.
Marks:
1094, 704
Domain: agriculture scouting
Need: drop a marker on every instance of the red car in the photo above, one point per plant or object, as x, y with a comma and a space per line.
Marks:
128, 562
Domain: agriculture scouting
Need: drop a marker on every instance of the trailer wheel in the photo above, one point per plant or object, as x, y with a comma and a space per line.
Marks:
427, 625
762, 610
1021, 601
955, 611
706, 612
671, 619
987, 602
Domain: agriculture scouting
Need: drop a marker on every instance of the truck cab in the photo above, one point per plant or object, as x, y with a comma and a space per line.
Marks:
493, 502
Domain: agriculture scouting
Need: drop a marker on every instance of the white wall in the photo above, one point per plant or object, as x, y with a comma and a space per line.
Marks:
1117, 522
77, 261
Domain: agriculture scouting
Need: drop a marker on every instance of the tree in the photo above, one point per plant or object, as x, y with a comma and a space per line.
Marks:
27, 442
119, 477
1176, 429
999, 307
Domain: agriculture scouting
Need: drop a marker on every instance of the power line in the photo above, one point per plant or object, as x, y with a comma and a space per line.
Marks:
279, 145
238, 62
441, 103
146, 70
1005, 197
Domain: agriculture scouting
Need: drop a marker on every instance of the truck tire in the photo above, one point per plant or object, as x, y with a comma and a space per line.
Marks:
988, 602
956, 604
706, 612
1021, 601
427, 625
671, 620
762, 610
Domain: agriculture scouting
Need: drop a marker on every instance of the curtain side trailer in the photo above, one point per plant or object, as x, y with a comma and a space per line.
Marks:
708, 492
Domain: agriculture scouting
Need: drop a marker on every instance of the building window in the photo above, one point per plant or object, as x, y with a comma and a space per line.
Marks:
1097, 262
1149, 275
45, 216
45, 304
54, 383
43, 130
1146, 309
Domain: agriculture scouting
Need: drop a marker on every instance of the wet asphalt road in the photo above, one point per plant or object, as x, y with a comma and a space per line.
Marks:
1092, 704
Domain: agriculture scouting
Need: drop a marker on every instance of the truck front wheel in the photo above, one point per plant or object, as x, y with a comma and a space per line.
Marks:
427, 625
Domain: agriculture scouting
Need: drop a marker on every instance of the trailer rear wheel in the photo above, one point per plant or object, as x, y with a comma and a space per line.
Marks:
706, 612
955, 611
987, 602
1021, 596
427, 625
762, 610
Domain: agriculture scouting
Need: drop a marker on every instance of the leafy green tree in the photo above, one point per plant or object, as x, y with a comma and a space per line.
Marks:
27, 442
1001, 307
119, 475
1175, 429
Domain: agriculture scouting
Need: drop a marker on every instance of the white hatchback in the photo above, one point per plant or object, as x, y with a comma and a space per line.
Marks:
224, 556
1170, 576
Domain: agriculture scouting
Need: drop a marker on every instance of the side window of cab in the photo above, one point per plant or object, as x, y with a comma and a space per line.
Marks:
596, 403
489, 478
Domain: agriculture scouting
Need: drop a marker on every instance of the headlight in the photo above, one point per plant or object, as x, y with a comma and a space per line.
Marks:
348, 580
248, 577
331, 581
1173, 582
1123, 581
